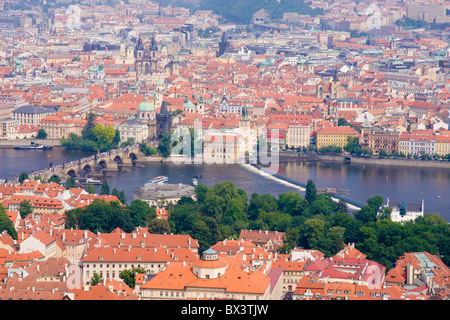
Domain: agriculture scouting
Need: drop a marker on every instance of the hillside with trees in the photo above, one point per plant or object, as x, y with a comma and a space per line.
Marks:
242, 11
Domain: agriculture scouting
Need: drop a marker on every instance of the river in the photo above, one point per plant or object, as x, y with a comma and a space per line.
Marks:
407, 184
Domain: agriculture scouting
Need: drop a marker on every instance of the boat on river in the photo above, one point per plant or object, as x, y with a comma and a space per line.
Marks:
83, 181
34, 146
158, 179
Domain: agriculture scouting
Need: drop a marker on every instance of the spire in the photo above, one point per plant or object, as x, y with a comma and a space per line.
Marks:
335, 77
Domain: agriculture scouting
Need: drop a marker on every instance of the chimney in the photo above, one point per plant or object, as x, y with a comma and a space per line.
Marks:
85, 234
64, 237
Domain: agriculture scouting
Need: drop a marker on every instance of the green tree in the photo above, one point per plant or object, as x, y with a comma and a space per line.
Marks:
6, 223
96, 279
116, 140
100, 216
90, 188
105, 187
129, 275
23, 176
54, 179
366, 214
289, 202
129, 142
314, 230
42, 134
341, 207
200, 193
311, 192
385, 214
103, 136
165, 145
376, 202
200, 231
343, 123
147, 150
352, 145
214, 230
183, 217
141, 213
70, 183
120, 194
159, 226
261, 203
87, 132
25, 208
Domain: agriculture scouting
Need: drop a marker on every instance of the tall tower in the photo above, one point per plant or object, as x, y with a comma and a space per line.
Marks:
200, 106
224, 44
163, 120
146, 58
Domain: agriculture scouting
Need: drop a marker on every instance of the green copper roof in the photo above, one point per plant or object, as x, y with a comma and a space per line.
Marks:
146, 106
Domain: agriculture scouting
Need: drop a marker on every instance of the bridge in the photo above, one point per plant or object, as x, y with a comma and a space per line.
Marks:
98, 164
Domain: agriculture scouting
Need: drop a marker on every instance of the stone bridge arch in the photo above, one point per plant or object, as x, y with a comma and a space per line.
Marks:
118, 159
72, 173
103, 163
87, 168
133, 156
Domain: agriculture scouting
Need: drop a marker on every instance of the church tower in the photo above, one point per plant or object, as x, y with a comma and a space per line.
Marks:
224, 44
200, 106
146, 58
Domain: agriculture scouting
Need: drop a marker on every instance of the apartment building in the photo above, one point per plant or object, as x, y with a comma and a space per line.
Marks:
298, 135
384, 138
29, 114
336, 136
132, 129
442, 145
109, 261
40, 241
410, 143
57, 126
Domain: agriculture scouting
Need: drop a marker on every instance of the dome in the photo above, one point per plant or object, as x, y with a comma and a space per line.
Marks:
146, 106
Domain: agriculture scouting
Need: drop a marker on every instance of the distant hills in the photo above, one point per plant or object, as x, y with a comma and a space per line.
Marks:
242, 11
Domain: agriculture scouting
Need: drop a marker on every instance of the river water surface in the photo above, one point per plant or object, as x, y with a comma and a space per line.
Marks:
409, 184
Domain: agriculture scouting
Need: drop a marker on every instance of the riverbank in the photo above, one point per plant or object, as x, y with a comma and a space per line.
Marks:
11, 144
288, 157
